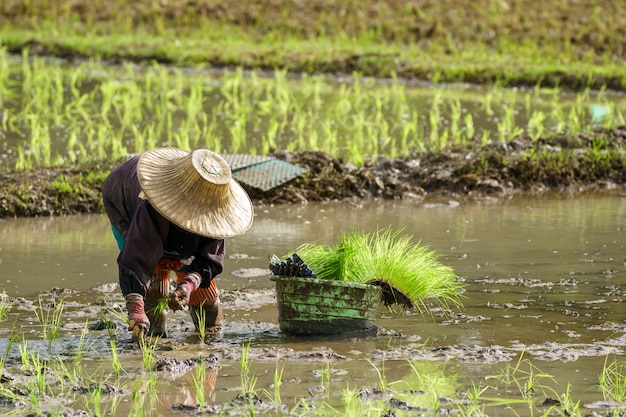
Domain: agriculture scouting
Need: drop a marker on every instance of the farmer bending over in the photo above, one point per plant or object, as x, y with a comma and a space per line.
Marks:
170, 211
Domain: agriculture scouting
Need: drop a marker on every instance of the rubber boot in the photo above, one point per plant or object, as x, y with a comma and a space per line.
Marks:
205, 307
159, 288
211, 315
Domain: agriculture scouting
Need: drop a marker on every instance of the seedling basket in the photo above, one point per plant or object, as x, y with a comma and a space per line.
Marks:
312, 306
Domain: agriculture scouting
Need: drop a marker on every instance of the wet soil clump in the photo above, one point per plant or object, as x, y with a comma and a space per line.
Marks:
493, 170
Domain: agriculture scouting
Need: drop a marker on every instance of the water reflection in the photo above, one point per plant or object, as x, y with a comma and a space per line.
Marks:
37, 254
544, 277
539, 254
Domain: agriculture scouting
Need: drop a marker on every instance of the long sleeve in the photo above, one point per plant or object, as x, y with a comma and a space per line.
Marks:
206, 254
143, 249
209, 261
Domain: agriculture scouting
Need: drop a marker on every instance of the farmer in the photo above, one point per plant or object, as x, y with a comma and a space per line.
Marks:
170, 211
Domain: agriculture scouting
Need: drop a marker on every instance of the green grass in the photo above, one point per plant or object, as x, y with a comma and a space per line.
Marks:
508, 43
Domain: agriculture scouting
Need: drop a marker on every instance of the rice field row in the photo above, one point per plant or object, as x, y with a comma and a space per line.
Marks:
54, 112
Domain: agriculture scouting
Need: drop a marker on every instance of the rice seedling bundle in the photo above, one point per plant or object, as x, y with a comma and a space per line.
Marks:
408, 273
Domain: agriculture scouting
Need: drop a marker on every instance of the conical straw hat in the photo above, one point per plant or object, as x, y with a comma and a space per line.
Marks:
195, 191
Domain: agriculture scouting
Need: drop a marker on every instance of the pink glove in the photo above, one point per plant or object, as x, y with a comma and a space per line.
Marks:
138, 322
180, 297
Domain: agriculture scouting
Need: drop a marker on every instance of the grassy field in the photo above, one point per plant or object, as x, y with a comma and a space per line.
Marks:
514, 42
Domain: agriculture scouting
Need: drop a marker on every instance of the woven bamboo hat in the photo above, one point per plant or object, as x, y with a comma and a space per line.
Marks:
196, 191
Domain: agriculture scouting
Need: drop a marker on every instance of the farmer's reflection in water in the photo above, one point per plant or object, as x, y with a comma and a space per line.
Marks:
170, 211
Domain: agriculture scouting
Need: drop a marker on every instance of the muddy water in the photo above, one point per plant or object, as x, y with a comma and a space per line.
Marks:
545, 278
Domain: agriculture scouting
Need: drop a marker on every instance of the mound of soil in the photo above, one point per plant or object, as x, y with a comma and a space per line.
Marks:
497, 169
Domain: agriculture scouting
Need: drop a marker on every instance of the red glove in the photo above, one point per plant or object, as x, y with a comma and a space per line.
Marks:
138, 322
180, 297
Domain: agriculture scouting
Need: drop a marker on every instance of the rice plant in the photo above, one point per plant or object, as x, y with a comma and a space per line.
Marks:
325, 376
430, 378
199, 376
383, 382
409, 273
50, 318
160, 307
526, 377
116, 363
70, 114
201, 313
612, 380
148, 351
248, 379
274, 395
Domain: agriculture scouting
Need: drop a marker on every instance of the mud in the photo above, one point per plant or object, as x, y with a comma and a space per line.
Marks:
183, 352
417, 177
494, 170
218, 347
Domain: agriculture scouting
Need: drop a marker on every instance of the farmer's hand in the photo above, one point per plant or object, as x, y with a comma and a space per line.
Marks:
180, 297
138, 322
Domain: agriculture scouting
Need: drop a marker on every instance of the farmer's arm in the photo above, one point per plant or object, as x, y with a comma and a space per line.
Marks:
143, 249
209, 261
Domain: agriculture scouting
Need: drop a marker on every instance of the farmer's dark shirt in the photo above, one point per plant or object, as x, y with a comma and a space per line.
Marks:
150, 237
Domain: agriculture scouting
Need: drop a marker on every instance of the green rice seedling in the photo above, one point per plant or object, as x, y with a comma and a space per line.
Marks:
413, 269
148, 351
569, 407
238, 133
354, 407
507, 129
109, 317
248, 379
50, 320
160, 307
66, 371
136, 392
485, 137
536, 125
409, 273
524, 376
152, 389
96, 400
116, 364
198, 382
455, 118
202, 324
434, 120
325, 376
14, 337
612, 380
383, 383
472, 403
7, 394
274, 395
38, 368
139, 408
487, 99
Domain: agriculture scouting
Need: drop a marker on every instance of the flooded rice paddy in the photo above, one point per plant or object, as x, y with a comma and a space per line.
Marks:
543, 314
56, 112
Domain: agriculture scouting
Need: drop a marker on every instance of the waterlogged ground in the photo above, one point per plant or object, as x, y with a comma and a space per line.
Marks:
542, 317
